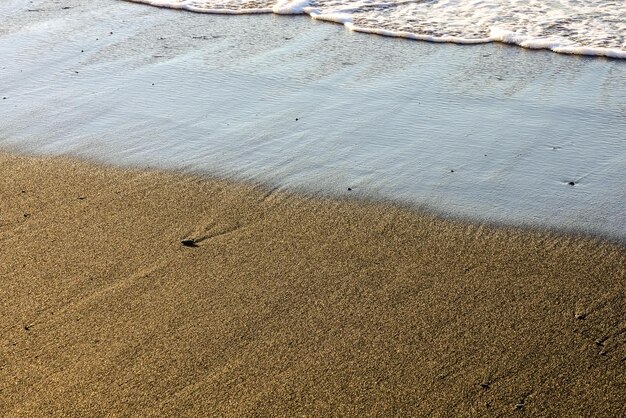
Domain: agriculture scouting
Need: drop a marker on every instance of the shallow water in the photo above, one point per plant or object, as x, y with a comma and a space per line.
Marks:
488, 132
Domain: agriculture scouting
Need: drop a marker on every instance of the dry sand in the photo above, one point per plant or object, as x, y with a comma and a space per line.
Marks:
290, 305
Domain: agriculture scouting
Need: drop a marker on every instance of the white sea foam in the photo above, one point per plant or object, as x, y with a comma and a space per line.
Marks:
585, 27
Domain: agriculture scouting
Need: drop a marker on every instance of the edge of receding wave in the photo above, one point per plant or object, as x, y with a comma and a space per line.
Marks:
299, 7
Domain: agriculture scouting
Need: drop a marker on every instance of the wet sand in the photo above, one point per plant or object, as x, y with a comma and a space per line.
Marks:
290, 305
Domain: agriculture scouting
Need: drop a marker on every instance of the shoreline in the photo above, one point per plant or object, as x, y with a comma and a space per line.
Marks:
349, 196
318, 109
290, 304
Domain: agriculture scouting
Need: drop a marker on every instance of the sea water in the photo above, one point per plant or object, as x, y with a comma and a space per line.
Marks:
588, 27
488, 132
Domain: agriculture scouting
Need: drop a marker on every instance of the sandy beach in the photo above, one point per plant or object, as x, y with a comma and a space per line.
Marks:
267, 215
288, 305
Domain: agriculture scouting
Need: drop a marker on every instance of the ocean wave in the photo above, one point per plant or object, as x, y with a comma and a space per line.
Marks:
584, 27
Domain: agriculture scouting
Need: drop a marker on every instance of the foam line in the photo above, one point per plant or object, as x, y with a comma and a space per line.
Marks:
594, 29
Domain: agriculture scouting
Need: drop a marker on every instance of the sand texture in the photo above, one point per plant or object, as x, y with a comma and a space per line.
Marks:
290, 305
